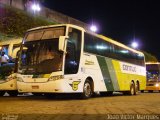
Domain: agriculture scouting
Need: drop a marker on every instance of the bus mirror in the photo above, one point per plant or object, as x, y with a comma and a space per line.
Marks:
62, 43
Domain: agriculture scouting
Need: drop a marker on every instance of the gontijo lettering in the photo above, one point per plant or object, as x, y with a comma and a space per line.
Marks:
129, 68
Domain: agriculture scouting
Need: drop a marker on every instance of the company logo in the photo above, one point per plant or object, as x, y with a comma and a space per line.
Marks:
129, 68
132, 69
74, 85
87, 62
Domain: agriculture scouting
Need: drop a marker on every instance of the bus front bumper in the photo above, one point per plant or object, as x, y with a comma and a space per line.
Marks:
58, 86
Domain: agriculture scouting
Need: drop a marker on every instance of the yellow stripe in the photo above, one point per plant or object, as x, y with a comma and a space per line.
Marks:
124, 79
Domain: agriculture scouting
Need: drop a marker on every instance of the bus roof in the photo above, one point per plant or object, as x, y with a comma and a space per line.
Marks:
119, 44
115, 42
97, 35
58, 25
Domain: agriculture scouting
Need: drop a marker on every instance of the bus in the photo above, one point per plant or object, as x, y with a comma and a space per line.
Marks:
153, 76
70, 59
8, 71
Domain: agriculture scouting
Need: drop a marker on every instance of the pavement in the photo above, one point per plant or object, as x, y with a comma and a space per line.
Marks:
69, 107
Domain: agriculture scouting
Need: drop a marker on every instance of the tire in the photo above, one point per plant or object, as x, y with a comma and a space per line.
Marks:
142, 91
136, 88
108, 93
12, 93
132, 90
87, 90
2, 93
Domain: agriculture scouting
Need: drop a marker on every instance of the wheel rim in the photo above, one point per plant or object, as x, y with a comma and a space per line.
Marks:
132, 90
137, 88
87, 90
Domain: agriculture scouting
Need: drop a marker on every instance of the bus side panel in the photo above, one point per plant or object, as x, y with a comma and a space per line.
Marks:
92, 69
108, 73
105, 72
126, 75
112, 74
122, 79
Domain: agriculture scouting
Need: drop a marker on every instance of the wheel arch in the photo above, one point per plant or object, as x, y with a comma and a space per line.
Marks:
90, 79
138, 83
132, 82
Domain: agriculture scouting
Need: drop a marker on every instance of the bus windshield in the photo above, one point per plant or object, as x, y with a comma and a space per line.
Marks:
153, 72
40, 53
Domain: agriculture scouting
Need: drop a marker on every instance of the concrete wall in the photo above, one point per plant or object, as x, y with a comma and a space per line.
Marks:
45, 12
60, 18
15, 3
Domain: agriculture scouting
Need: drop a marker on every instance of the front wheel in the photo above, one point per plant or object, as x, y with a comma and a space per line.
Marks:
2, 93
87, 90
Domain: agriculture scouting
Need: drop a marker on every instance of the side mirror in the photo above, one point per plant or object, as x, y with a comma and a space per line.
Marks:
61, 46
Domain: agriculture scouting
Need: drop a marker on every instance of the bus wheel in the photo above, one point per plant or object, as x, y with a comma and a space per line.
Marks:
132, 89
87, 90
12, 93
137, 88
2, 93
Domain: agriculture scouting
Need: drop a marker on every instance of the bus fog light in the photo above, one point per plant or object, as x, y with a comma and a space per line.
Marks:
54, 78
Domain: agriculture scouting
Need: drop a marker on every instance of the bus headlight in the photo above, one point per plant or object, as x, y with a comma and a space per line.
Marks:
157, 85
54, 78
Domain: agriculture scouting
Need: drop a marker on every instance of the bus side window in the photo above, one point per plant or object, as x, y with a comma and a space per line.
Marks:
73, 52
70, 58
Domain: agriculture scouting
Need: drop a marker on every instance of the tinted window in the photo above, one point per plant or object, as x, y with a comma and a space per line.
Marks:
73, 52
98, 46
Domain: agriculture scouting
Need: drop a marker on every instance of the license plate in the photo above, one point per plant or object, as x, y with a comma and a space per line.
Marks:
35, 87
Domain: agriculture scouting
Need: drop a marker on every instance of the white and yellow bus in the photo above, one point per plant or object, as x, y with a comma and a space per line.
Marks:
8, 71
69, 59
